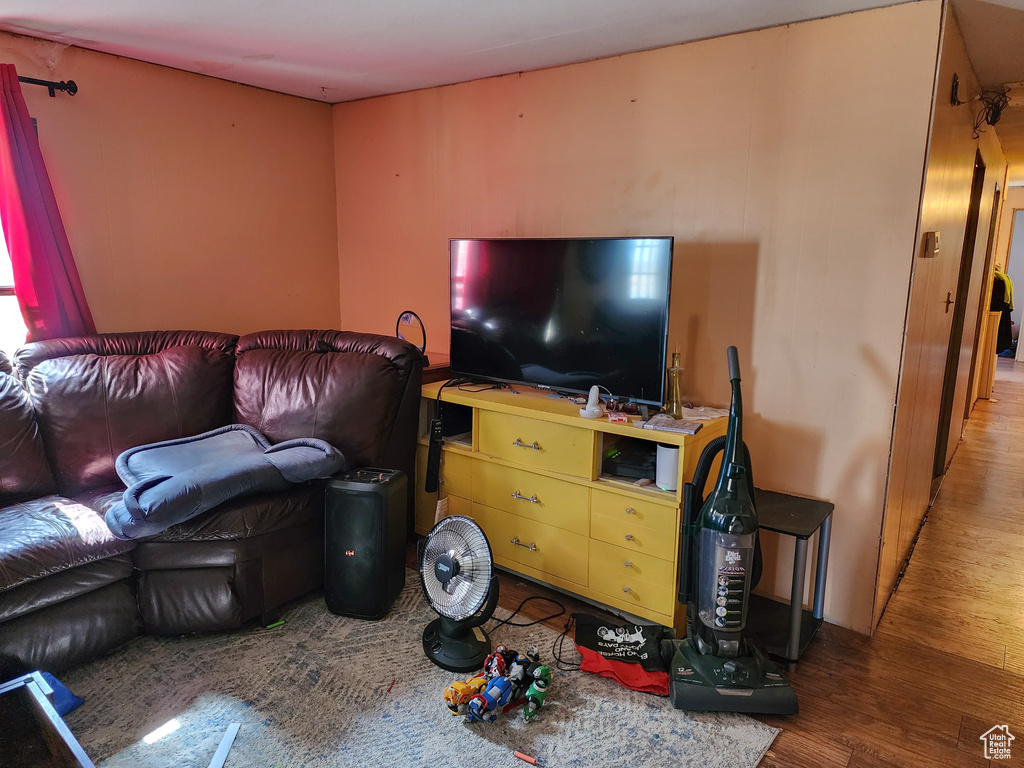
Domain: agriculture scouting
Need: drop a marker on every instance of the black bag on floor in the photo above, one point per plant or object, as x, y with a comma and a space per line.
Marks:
627, 653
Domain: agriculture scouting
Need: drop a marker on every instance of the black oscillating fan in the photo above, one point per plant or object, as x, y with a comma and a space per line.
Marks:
456, 573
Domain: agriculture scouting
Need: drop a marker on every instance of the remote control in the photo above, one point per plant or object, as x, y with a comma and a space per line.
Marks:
434, 457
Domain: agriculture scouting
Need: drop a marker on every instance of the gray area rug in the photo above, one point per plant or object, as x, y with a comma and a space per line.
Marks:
322, 690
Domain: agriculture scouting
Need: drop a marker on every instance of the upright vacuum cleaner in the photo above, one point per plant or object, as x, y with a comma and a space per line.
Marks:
716, 669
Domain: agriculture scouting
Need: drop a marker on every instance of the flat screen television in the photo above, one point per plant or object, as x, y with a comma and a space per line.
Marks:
563, 313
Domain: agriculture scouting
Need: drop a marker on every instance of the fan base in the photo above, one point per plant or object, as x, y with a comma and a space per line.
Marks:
457, 652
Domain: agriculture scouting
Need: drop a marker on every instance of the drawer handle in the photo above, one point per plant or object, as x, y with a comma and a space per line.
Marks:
626, 590
628, 563
532, 499
518, 443
629, 537
532, 546
630, 511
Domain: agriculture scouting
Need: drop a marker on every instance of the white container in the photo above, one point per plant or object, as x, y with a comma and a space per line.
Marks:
666, 475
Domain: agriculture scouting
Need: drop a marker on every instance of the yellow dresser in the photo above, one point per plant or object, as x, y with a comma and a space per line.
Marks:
530, 473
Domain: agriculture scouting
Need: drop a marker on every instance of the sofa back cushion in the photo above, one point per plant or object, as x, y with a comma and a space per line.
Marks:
346, 388
24, 470
97, 396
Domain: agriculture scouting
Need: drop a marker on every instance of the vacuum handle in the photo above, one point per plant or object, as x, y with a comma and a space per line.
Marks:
734, 364
687, 550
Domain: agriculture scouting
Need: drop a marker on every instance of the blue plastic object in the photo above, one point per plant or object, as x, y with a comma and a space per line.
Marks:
64, 700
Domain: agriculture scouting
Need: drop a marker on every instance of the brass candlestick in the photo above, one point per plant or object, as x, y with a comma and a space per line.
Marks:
674, 401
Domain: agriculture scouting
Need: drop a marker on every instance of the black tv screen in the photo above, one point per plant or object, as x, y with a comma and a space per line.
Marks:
565, 314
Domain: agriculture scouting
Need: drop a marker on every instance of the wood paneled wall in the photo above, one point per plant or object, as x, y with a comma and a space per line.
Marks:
787, 163
944, 206
189, 202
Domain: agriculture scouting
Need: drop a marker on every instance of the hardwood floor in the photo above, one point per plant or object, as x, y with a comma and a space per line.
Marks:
947, 661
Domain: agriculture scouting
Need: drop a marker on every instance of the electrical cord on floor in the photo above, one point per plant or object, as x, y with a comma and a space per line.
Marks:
556, 645
561, 663
509, 622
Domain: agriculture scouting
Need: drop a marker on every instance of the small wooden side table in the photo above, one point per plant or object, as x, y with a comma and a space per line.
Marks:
785, 630
438, 369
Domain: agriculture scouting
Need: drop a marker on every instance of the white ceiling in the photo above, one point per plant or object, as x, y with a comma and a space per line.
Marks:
339, 50
994, 35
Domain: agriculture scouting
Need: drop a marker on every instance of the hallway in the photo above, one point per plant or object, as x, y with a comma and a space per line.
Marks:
963, 590
947, 661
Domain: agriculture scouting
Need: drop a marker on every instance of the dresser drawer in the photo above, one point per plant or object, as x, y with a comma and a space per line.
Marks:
624, 589
630, 564
458, 505
635, 538
456, 473
425, 502
648, 514
426, 509
456, 484
537, 497
537, 444
543, 547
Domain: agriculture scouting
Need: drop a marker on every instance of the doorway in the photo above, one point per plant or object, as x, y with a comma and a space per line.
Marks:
982, 304
1015, 271
958, 303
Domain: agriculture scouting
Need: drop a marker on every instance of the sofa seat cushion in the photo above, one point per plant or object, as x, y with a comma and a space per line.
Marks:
234, 520
58, 587
252, 532
49, 535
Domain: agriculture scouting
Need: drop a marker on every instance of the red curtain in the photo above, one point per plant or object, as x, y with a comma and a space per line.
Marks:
46, 280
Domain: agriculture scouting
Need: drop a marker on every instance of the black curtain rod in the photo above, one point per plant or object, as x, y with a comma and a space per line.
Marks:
69, 86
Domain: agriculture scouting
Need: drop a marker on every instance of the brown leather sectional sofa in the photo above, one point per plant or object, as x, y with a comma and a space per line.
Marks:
69, 590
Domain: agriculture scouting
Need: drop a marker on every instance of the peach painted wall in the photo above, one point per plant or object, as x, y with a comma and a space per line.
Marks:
189, 202
787, 163
944, 207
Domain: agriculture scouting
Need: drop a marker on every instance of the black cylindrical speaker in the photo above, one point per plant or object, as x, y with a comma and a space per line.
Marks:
364, 551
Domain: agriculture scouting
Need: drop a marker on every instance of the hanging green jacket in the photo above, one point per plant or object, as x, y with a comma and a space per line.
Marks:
1009, 287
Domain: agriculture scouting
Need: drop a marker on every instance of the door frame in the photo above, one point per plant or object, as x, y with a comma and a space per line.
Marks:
956, 332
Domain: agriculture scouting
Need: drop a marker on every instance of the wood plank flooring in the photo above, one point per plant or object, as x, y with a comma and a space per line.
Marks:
947, 661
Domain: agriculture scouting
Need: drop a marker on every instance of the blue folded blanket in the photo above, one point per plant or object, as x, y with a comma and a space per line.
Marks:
175, 480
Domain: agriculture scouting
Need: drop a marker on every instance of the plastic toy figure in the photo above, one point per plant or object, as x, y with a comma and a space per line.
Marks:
458, 694
495, 695
516, 673
537, 692
496, 662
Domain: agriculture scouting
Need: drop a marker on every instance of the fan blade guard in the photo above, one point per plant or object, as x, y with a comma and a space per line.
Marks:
460, 540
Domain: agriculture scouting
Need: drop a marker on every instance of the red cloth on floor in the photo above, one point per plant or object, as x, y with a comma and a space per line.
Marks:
626, 673
628, 654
